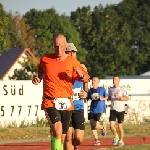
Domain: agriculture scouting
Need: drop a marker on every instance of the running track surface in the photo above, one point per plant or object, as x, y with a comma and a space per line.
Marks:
87, 144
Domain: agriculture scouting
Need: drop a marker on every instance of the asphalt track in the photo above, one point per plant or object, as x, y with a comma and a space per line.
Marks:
87, 144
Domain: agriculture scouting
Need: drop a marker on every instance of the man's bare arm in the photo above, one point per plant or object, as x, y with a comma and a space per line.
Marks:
40, 75
109, 98
124, 98
85, 79
82, 74
37, 79
85, 88
103, 98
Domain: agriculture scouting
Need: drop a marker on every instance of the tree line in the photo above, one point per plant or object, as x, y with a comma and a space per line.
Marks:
114, 39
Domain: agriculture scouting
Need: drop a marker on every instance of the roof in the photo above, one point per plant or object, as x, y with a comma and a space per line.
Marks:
10, 57
131, 77
146, 74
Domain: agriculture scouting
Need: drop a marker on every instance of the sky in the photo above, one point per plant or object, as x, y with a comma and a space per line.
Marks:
61, 6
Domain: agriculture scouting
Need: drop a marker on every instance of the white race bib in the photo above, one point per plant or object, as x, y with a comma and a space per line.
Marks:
76, 91
62, 103
95, 96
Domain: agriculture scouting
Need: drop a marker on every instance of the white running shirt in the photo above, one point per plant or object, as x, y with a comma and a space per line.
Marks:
115, 103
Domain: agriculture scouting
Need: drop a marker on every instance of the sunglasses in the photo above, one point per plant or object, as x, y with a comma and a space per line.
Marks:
67, 52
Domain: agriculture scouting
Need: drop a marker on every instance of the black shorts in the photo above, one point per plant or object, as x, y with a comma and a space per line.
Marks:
60, 115
116, 115
77, 120
95, 117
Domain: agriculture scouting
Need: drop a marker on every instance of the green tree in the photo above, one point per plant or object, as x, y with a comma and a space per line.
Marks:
136, 14
28, 71
116, 37
100, 38
3, 27
19, 33
46, 24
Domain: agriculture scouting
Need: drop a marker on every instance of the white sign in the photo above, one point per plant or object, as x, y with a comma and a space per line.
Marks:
139, 96
20, 101
134, 86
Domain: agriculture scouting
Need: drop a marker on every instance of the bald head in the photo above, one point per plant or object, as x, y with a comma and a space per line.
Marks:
60, 36
95, 82
59, 44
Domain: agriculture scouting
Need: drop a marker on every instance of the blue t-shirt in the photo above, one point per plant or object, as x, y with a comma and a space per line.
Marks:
78, 102
97, 106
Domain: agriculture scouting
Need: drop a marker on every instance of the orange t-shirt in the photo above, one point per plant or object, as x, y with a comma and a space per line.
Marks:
58, 78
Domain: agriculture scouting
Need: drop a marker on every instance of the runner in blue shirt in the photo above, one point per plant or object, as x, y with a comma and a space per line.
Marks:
97, 95
77, 119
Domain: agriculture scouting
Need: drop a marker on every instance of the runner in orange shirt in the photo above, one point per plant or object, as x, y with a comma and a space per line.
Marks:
59, 71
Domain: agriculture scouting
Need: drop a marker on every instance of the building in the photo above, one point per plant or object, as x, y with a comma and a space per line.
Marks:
11, 59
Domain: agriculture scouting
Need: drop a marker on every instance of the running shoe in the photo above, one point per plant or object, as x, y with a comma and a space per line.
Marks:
103, 131
96, 143
115, 140
120, 143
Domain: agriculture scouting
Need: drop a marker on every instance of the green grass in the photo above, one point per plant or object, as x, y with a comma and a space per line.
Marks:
129, 129
141, 147
24, 133
41, 130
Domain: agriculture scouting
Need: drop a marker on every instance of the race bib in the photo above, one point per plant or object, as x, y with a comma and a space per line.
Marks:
62, 103
95, 96
76, 91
